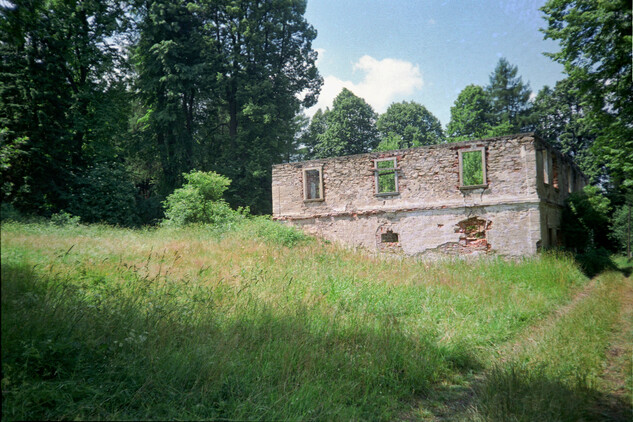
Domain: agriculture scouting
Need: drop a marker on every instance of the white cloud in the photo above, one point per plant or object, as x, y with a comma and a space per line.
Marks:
384, 82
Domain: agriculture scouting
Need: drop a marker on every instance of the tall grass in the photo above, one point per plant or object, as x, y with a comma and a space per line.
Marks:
253, 322
556, 374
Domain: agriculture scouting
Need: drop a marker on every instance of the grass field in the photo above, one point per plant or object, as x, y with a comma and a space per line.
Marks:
258, 322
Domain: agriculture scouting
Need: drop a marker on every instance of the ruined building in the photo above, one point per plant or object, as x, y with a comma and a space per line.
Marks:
500, 195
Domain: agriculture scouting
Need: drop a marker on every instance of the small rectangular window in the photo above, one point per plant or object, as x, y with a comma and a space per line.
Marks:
386, 176
472, 167
570, 180
554, 172
545, 159
312, 184
389, 237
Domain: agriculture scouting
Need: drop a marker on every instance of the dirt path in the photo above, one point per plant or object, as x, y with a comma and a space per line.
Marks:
454, 402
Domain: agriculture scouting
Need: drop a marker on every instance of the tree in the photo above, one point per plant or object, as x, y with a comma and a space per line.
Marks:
406, 125
313, 134
508, 96
584, 219
560, 118
595, 41
351, 127
220, 81
470, 114
173, 70
622, 230
266, 62
63, 100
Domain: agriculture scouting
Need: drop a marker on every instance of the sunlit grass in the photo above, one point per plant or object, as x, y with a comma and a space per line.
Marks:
556, 374
249, 322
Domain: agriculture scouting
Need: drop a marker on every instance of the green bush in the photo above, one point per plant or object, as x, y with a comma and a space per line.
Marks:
595, 260
278, 233
9, 213
105, 193
584, 219
200, 201
621, 227
63, 218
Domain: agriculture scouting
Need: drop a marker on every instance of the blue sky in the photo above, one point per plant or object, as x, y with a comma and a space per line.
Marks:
426, 50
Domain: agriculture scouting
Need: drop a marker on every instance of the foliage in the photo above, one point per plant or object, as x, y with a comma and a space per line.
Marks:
9, 213
314, 133
508, 97
500, 109
470, 115
595, 260
622, 228
277, 233
220, 83
560, 117
407, 125
595, 47
62, 102
172, 74
199, 200
351, 127
104, 193
386, 176
63, 218
472, 169
584, 219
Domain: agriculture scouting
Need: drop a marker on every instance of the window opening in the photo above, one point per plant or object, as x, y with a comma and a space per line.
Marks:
570, 180
312, 184
386, 176
545, 167
554, 172
472, 168
389, 237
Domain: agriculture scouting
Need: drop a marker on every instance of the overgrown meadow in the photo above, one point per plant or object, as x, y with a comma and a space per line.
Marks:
256, 321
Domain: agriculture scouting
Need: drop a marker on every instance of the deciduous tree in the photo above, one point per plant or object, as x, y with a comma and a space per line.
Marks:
595, 47
409, 124
351, 127
470, 115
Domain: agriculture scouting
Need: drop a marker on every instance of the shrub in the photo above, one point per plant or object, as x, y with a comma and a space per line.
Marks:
9, 213
595, 260
105, 193
200, 201
63, 218
278, 233
584, 219
621, 228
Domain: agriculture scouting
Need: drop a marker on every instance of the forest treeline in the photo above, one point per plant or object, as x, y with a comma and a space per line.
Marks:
104, 105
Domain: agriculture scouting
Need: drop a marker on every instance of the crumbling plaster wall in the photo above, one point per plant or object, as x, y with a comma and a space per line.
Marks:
514, 230
429, 205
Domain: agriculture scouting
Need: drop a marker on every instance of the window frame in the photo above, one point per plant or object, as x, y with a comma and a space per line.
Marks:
305, 184
547, 172
377, 176
483, 168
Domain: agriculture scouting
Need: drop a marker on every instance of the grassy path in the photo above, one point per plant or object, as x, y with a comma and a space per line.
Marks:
617, 377
575, 364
